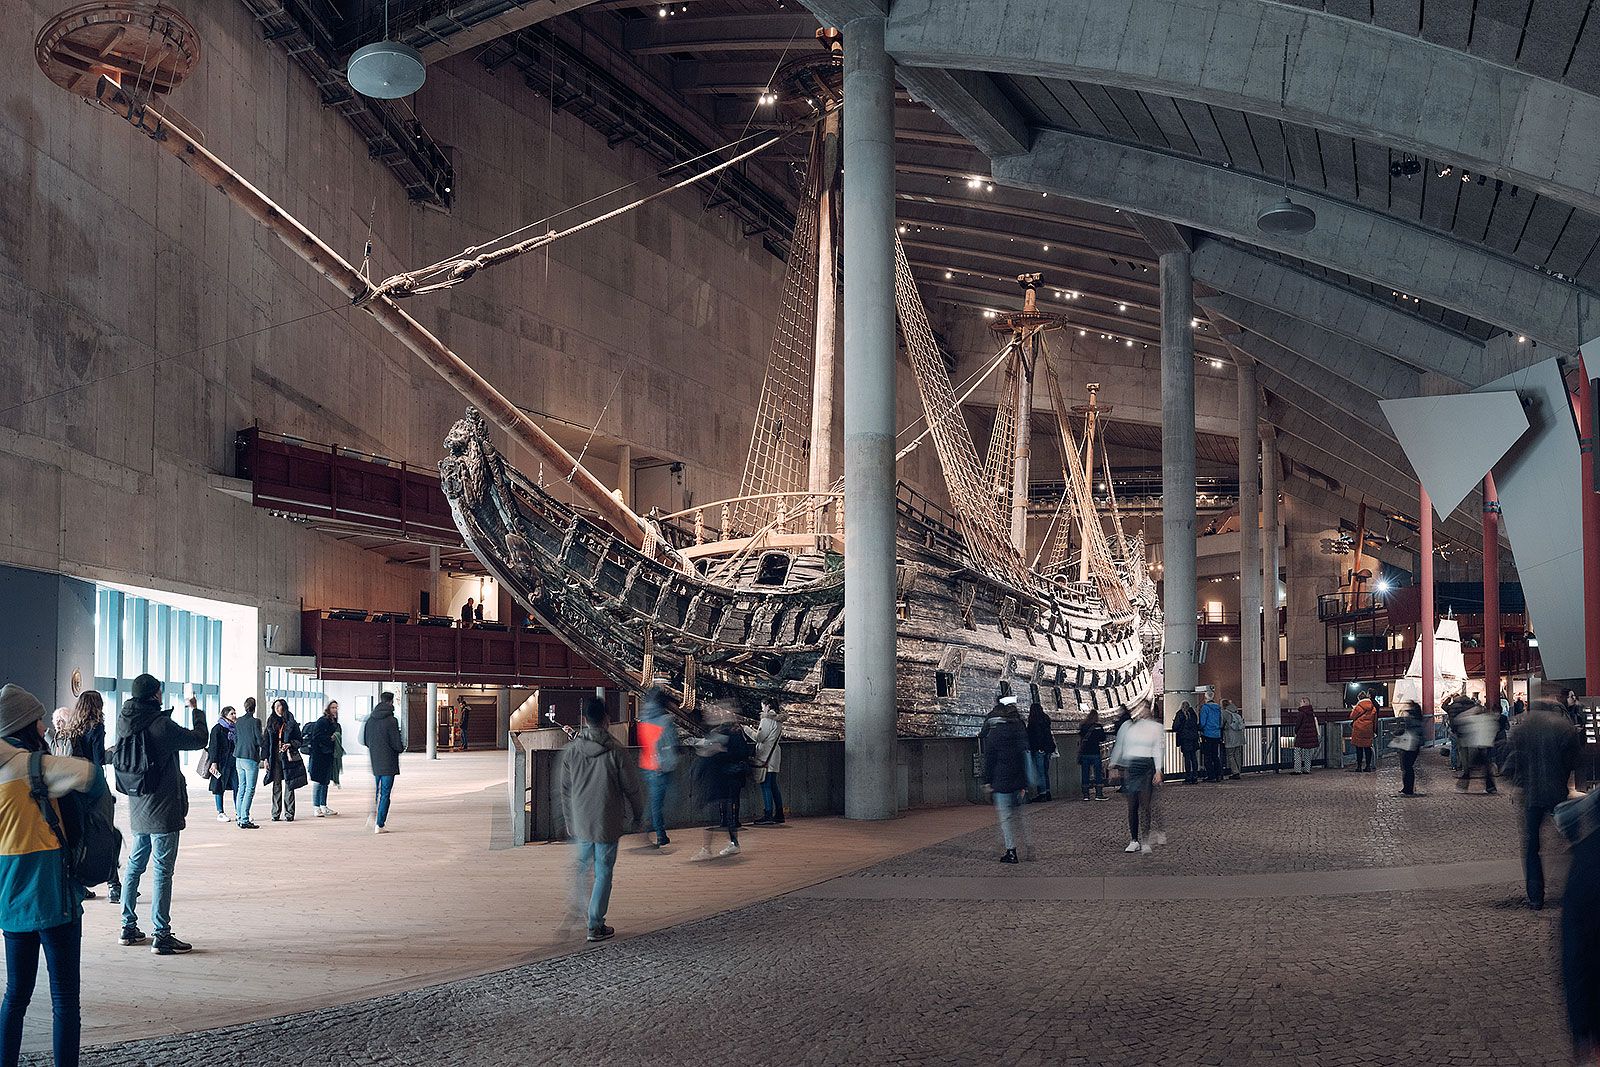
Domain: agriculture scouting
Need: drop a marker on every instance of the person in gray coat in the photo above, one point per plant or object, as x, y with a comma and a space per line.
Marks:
248, 748
1233, 737
597, 782
158, 811
381, 735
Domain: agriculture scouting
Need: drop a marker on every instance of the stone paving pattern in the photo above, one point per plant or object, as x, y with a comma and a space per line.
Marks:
1456, 977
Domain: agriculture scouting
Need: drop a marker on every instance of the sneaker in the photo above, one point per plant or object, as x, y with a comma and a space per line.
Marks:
115, 896
1146, 848
132, 935
379, 830
765, 820
248, 826
731, 849
1161, 837
167, 945
222, 817
1084, 798
663, 840
328, 811
1101, 796
601, 933
319, 812
703, 854
1010, 856
1133, 846
90, 894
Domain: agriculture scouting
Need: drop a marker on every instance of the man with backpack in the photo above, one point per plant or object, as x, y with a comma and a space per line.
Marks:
146, 762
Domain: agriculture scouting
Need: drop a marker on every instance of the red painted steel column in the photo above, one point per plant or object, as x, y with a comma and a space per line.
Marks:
1590, 506
1425, 623
1491, 595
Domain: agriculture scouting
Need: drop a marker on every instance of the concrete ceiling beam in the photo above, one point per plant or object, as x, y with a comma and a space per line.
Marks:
1355, 362
1344, 76
1348, 238
1373, 323
776, 32
1163, 236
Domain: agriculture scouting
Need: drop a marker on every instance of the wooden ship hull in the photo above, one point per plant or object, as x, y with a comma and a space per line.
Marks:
634, 616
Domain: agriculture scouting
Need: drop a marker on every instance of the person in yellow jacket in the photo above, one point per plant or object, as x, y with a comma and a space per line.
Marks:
1363, 730
41, 906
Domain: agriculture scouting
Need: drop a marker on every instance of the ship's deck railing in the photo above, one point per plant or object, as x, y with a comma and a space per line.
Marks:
810, 509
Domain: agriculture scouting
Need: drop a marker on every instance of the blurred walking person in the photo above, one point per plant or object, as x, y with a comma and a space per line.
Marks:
1545, 750
724, 765
597, 785
658, 755
41, 905
1408, 742
1476, 728
1005, 774
222, 770
1307, 737
1139, 750
1580, 921
1091, 764
381, 736
1041, 748
1233, 737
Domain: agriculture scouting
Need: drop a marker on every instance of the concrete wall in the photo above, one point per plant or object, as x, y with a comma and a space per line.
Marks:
127, 288
46, 631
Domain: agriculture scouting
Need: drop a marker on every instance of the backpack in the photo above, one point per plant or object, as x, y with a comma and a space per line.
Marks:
134, 768
91, 844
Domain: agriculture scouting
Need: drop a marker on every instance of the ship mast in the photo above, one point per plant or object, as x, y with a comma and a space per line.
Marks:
820, 476
308, 246
1024, 355
1091, 417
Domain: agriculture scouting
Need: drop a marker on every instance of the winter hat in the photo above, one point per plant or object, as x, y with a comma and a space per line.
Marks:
18, 709
145, 687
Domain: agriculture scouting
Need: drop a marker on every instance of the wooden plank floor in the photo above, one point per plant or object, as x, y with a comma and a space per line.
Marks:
322, 911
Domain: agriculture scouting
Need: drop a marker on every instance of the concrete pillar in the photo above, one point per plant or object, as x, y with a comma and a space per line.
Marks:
1272, 694
869, 417
1180, 672
1426, 622
1491, 595
434, 607
402, 711
433, 720
1250, 614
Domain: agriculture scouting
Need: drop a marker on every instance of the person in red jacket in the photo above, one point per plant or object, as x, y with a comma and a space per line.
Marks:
1307, 737
1363, 729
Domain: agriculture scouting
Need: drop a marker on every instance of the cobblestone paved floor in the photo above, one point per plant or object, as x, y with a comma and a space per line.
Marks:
1453, 976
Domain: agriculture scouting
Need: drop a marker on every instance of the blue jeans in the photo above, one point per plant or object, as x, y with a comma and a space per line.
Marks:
164, 847
218, 798
319, 794
1041, 772
385, 786
245, 791
1012, 826
602, 856
771, 798
1092, 770
62, 950
658, 782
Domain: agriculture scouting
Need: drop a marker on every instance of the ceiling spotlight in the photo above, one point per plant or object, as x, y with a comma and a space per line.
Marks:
1047, 248
990, 186
1216, 363
1128, 343
973, 183
1521, 340
662, 13
1445, 171
1082, 333
1465, 176
1122, 307
947, 274
1405, 167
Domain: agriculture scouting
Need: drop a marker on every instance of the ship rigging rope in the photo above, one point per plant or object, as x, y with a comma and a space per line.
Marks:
975, 379
469, 261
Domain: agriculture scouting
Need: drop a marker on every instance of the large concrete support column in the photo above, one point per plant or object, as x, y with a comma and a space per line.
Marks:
1272, 695
1178, 593
824, 372
1425, 622
1250, 615
433, 720
1491, 594
870, 788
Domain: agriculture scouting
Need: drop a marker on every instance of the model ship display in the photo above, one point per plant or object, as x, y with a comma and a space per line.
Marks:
744, 598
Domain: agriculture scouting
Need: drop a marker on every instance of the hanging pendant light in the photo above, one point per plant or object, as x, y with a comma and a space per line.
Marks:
386, 70
1286, 216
